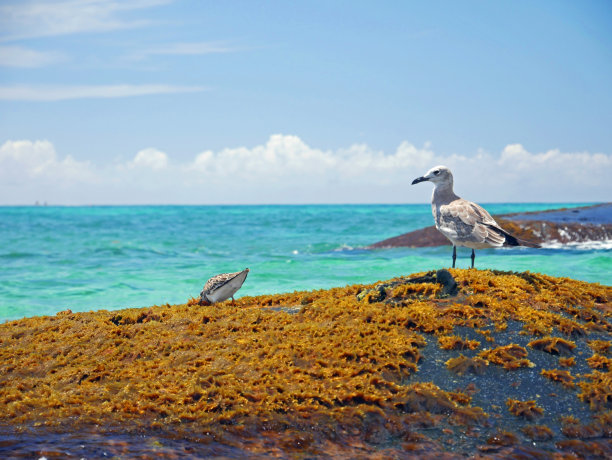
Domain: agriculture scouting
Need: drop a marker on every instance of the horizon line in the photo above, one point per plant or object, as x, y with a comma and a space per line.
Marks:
59, 205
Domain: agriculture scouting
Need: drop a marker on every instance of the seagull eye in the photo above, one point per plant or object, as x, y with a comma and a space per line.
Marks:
436, 172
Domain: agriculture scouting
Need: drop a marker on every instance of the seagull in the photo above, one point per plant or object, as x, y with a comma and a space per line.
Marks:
222, 287
464, 223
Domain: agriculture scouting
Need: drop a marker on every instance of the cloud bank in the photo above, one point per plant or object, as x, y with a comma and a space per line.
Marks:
287, 170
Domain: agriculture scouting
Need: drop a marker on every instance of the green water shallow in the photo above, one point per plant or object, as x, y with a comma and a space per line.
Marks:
89, 258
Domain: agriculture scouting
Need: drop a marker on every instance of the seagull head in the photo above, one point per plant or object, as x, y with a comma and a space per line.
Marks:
438, 175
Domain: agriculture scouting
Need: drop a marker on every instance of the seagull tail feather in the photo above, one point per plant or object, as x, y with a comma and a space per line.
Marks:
512, 240
526, 243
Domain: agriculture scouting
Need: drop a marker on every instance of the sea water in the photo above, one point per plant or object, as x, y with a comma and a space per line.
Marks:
91, 258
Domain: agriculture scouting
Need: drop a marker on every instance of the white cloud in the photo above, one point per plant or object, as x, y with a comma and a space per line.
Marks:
30, 19
63, 92
288, 159
151, 159
30, 158
519, 175
287, 170
279, 158
24, 161
18, 56
578, 164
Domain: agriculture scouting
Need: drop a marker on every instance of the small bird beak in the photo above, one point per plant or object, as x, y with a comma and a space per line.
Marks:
419, 179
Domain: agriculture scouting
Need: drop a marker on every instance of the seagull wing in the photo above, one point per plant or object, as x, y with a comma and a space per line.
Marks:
466, 223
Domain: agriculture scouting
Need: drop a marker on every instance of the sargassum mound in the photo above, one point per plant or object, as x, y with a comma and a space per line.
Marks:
336, 370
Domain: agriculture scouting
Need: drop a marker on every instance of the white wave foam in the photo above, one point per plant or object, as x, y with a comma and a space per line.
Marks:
344, 247
588, 245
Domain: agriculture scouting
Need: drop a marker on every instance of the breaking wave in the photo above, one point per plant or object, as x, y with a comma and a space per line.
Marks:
582, 245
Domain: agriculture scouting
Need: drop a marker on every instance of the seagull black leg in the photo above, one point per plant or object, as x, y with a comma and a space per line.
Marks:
454, 255
473, 257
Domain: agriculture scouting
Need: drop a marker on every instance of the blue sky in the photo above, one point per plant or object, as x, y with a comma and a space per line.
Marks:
186, 101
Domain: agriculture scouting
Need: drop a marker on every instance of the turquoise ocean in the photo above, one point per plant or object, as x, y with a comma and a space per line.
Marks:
111, 257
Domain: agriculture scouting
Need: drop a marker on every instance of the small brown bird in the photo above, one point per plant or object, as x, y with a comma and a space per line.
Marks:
222, 287
464, 223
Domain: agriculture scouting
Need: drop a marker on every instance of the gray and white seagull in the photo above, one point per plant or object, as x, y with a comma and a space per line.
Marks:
464, 223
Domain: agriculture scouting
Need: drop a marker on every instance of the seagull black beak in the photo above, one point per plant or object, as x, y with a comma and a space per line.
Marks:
419, 179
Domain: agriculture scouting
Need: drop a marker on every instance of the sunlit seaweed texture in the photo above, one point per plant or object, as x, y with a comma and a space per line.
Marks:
339, 360
553, 345
527, 409
509, 356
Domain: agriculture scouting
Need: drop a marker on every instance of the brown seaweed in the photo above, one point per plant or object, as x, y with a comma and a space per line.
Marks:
598, 391
526, 409
553, 345
538, 432
453, 342
263, 372
561, 376
509, 356
462, 365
